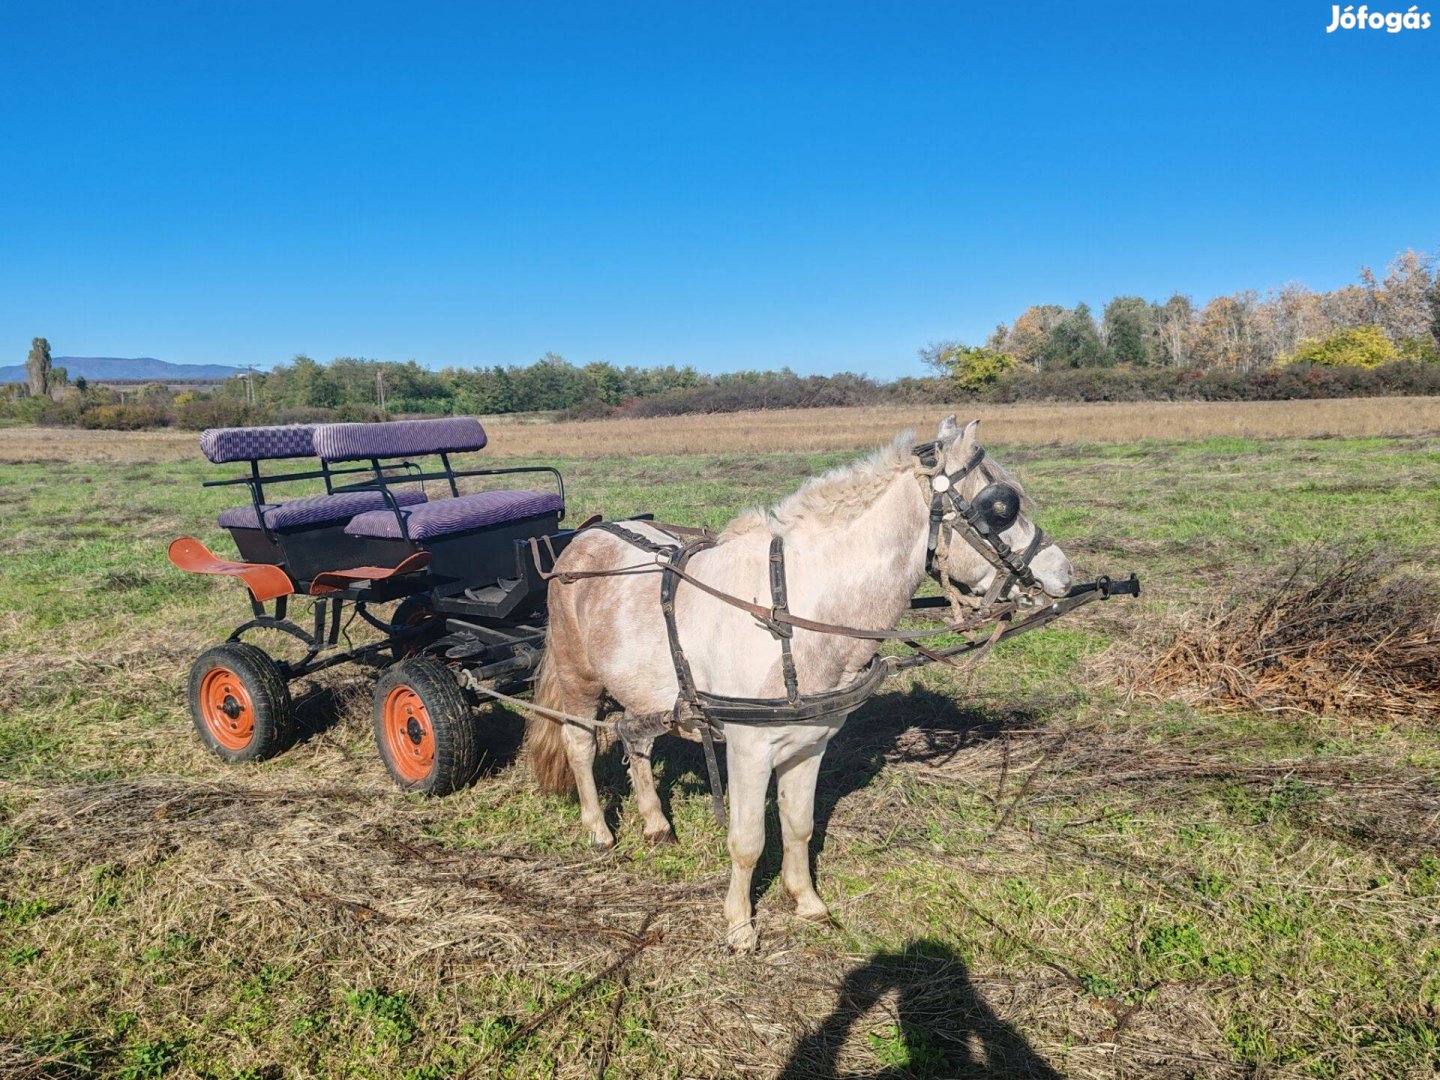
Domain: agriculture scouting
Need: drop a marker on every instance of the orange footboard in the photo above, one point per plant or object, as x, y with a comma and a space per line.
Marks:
338, 580
264, 582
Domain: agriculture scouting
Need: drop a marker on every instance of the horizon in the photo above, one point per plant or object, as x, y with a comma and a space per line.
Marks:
746, 189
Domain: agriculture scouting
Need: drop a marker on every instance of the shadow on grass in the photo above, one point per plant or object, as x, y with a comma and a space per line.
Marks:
939, 1024
919, 726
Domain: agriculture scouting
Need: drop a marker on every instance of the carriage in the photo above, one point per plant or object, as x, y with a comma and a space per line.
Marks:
455, 585
446, 577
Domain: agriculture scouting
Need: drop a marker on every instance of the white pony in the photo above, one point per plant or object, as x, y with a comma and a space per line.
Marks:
855, 543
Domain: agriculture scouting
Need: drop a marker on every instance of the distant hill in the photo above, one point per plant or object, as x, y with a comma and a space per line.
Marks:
99, 368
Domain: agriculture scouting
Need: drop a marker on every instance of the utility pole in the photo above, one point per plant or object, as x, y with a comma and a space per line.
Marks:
380, 389
250, 384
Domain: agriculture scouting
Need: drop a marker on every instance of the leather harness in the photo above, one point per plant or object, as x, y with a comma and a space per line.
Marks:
977, 523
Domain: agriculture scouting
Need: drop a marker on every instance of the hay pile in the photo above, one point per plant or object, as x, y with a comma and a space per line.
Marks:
1337, 633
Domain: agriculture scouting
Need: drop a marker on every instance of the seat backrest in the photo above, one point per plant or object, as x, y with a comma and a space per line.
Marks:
258, 443
399, 438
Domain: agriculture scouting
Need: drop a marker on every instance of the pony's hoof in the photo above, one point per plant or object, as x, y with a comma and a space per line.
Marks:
661, 839
742, 938
814, 911
598, 844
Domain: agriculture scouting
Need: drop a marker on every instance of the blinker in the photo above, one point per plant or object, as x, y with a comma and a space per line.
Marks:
999, 504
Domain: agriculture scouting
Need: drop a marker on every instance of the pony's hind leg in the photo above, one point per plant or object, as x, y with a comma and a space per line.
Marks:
795, 791
580, 746
565, 684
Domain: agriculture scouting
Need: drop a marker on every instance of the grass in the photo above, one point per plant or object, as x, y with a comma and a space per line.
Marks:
1030, 875
851, 428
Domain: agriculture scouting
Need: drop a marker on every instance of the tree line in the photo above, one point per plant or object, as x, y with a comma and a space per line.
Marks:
1379, 335
1379, 319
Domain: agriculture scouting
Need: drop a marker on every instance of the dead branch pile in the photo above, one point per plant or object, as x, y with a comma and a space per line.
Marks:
1336, 634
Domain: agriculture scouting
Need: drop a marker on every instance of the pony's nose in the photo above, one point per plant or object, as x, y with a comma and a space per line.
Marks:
1052, 568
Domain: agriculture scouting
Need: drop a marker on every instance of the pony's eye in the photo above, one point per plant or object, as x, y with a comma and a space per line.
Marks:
999, 504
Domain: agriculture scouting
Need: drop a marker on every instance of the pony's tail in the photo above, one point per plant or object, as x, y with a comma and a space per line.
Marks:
544, 738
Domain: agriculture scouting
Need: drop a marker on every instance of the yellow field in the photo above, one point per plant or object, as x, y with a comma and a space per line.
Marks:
782, 431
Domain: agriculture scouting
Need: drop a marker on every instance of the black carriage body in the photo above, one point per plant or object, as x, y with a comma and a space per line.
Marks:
485, 596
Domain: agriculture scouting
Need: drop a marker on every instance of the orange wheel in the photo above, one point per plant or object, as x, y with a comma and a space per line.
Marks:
424, 728
240, 703
408, 732
226, 708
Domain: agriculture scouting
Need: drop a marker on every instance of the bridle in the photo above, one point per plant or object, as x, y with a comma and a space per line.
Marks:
979, 523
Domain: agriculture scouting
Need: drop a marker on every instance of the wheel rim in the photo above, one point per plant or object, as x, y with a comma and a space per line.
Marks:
226, 708
408, 733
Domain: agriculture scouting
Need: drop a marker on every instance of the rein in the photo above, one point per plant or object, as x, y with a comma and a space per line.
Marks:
697, 709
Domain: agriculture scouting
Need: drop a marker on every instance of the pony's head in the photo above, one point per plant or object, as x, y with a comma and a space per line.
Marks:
1000, 502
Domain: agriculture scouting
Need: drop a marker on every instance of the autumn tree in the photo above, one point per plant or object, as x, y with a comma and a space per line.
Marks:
1400, 304
1225, 333
1288, 317
1028, 339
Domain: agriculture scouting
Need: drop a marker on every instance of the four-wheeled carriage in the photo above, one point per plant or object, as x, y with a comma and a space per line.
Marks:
446, 577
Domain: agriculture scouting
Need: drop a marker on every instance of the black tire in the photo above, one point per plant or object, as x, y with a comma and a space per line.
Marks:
415, 613
240, 703
424, 727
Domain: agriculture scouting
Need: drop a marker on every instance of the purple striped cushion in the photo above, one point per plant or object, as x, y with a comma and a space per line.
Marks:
257, 443
402, 438
450, 516
318, 509
241, 517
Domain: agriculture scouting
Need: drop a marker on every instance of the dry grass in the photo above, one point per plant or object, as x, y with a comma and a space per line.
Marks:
806, 430
1334, 634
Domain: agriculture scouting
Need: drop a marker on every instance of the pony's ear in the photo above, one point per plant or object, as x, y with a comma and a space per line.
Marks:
970, 435
948, 429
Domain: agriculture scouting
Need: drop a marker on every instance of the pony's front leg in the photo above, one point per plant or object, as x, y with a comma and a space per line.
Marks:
795, 789
642, 782
749, 777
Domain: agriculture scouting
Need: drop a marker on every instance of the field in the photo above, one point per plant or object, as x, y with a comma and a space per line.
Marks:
810, 430
1031, 872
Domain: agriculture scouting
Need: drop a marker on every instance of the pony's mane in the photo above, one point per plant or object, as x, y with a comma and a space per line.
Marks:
844, 489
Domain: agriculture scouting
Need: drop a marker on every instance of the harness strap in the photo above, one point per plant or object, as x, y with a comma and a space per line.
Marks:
776, 621
783, 632
712, 766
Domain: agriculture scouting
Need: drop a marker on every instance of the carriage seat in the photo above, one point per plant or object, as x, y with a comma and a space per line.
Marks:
222, 445
462, 514
314, 510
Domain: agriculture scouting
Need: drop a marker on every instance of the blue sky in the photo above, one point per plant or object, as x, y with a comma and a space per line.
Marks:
827, 186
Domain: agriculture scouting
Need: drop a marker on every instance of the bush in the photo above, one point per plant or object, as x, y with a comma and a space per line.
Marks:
124, 417
355, 414
973, 368
1359, 346
1422, 350
589, 409
199, 415
1288, 382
